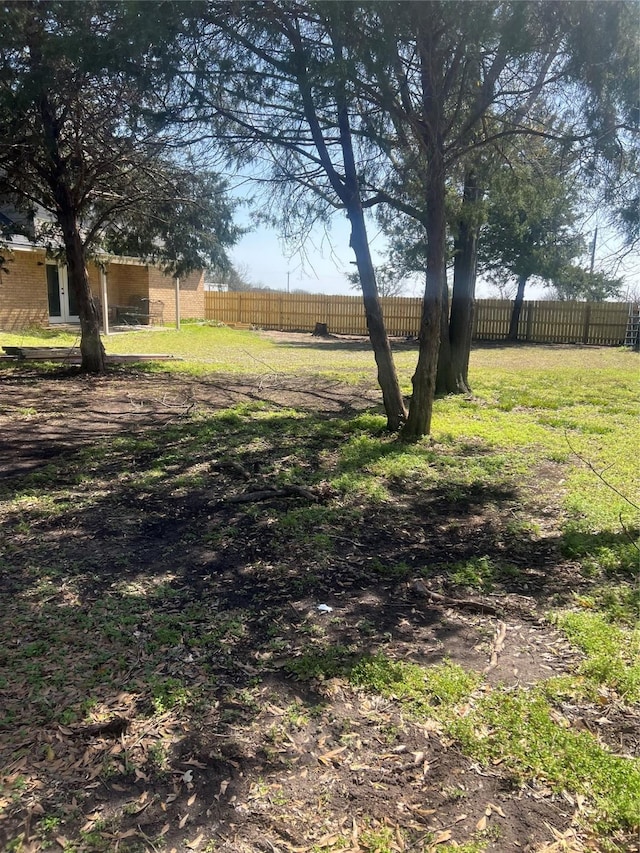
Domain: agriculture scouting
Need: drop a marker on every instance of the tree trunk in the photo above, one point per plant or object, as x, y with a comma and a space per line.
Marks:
91, 349
453, 363
93, 355
387, 377
347, 189
463, 306
517, 309
424, 378
463, 301
444, 375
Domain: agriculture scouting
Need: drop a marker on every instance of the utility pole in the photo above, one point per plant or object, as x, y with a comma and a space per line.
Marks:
288, 275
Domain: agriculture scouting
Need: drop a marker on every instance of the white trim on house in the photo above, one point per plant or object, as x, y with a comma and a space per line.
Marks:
101, 257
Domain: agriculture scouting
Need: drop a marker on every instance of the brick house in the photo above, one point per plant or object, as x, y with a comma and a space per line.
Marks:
34, 290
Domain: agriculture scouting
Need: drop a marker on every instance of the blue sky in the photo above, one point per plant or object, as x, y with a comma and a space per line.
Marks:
323, 268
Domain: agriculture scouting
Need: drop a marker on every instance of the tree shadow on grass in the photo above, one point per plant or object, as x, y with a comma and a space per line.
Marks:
49, 417
221, 631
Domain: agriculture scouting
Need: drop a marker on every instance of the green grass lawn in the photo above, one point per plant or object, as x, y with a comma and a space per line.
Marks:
201, 345
560, 403
556, 426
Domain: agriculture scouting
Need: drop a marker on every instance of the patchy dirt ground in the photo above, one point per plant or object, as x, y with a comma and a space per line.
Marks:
264, 760
43, 417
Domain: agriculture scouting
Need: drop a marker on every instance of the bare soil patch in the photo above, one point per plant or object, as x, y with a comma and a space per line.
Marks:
264, 761
44, 417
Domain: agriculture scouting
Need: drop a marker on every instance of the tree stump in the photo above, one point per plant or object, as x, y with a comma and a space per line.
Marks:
320, 330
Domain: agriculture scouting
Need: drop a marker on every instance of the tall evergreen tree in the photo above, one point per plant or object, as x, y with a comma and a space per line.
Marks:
82, 135
395, 104
530, 225
276, 74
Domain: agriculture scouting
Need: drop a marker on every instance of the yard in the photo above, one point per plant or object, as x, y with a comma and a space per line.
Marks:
237, 616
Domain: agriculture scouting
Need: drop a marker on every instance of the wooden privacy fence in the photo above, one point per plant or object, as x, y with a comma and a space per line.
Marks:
540, 322
603, 323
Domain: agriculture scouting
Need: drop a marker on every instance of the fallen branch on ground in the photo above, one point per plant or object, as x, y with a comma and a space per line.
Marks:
234, 466
445, 601
498, 643
290, 491
114, 727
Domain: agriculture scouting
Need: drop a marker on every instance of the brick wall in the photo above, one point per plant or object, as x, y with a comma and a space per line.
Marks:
94, 282
125, 281
23, 292
162, 287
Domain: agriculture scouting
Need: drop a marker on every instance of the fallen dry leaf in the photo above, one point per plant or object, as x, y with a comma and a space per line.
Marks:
442, 836
129, 833
423, 812
328, 757
327, 840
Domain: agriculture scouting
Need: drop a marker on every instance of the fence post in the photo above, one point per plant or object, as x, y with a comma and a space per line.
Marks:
587, 323
530, 313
